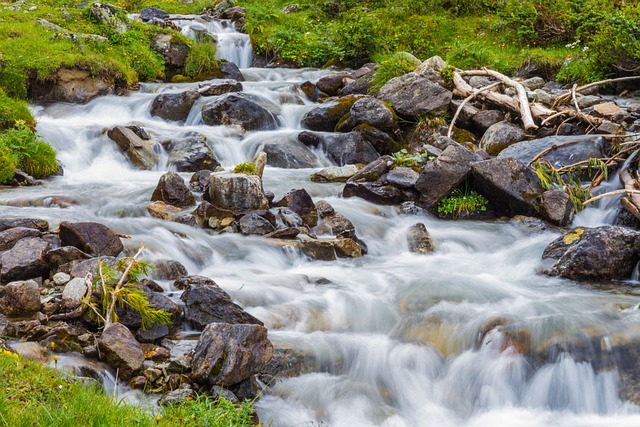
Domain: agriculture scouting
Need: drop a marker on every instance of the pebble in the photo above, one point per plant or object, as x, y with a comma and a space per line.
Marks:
61, 278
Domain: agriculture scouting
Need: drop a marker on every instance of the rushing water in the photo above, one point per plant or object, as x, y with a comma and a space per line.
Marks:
390, 339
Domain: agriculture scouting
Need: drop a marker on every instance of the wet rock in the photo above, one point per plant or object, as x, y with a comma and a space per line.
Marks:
349, 148
556, 207
444, 174
174, 52
332, 83
289, 154
401, 177
172, 190
143, 154
370, 112
21, 298
228, 70
65, 254
413, 95
150, 13
90, 237
500, 136
177, 397
154, 333
237, 193
192, 154
332, 222
228, 354
73, 294
220, 87
238, 109
373, 192
484, 119
335, 174
511, 186
325, 117
300, 202
601, 253
69, 85
121, 350
375, 170
167, 269
174, 106
160, 301
209, 304
35, 223
9, 237
27, 259
253, 223
419, 239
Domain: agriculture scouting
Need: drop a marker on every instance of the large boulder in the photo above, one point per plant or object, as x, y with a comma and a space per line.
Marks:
172, 190
228, 354
501, 135
370, 112
238, 109
9, 237
208, 303
289, 153
90, 237
27, 259
599, 254
444, 174
511, 186
143, 154
326, 116
121, 351
20, 298
192, 154
413, 96
556, 207
349, 148
174, 106
237, 193
253, 223
300, 202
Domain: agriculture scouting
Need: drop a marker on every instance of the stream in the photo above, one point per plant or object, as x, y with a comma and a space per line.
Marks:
392, 339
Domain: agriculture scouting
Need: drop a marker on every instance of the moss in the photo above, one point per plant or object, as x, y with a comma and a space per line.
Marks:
573, 236
248, 168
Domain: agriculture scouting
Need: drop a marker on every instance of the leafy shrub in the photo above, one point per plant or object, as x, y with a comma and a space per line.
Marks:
201, 60
7, 166
248, 168
405, 159
462, 203
33, 156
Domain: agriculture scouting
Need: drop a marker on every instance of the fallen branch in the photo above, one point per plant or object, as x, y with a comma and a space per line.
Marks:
610, 193
566, 96
475, 93
554, 147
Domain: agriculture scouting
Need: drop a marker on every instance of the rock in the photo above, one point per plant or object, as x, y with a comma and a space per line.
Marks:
69, 85
327, 250
325, 117
381, 141
413, 96
401, 177
253, 223
35, 223
300, 202
173, 51
73, 294
160, 301
373, 192
220, 87
370, 112
501, 135
177, 397
200, 180
143, 154
208, 303
154, 333
237, 193
374, 170
63, 255
192, 154
26, 260
238, 109
234, 14
80, 268
172, 190
484, 119
419, 239
93, 238
435, 62
9, 237
292, 8
335, 174
332, 222
167, 269
228, 70
349, 148
332, 83
444, 174
174, 106
110, 16
61, 279
310, 139
600, 254
556, 207
511, 186
565, 153
533, 83
31, 350
162, 210
21, 298
228, 354
121, 350
609, 110
150, 13
289, 154
218, 392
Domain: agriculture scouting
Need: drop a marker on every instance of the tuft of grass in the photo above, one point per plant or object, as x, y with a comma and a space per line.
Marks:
462, 203
248, 168
389, 67
13, 111
28, 152
202, 62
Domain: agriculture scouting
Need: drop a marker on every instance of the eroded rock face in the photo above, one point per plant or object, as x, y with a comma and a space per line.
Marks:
27, 259
20, 298
413, 95
120, 349
228, 354
90, 237
238, 109
174, 106
70, 85
172, 190
601, 253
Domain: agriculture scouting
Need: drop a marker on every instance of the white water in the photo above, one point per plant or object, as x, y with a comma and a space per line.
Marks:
393, 339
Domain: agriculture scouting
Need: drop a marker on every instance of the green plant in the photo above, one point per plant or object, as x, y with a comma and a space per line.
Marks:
389, 67
29, 153
7, 167
248, 168
12, 111
462, 203
119, 287
201, 61
405, 159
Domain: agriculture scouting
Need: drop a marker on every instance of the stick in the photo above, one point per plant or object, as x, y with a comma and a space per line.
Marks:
466, 100
566, 96
610, 193
553, 147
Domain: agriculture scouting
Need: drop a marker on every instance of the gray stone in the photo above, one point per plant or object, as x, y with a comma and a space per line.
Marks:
73, 294
150, 13
192, 154
237, 193
370, 112
375, 193
90, 237
60, 278
238, 109
300, 202
401, 177
143, 154
109, 15
332, 222
289, 153
556, 207
332, 83
174, 106
335, 174
501, 135
419, 239
27, 259
374, 170
172, 190
177, 397
65, 254
167, 269
253, 223
533, 83
121, 350
412, 96
35, 223
349, 148
484, 119
21, 298
325, 117
9, 237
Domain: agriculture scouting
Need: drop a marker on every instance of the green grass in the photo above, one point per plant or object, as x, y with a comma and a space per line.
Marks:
33, 395
462, 203
27, 152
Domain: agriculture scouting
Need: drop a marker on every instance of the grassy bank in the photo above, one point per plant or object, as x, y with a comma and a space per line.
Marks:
31, 395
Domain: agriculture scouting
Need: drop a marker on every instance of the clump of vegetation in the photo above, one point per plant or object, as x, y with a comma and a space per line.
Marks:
31, 394
462, 203
389, 67
248, 168
23, 149
119, 287
12, 111
405, 159
202, 62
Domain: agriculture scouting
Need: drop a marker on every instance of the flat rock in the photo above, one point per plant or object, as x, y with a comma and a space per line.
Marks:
90, 237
